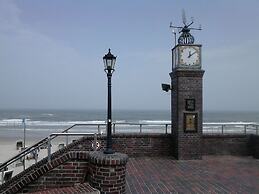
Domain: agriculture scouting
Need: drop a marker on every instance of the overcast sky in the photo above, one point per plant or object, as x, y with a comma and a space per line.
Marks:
51, 52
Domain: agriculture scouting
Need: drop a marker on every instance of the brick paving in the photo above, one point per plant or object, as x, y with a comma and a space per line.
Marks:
213, 174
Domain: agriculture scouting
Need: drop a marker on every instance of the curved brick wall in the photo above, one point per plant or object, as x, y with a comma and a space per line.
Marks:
108, 172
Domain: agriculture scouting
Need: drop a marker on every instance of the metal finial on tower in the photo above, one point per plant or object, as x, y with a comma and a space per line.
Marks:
185, 37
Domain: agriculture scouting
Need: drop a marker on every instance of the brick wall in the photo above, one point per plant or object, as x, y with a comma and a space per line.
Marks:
135, 145
226, 145
254, 145
64, 175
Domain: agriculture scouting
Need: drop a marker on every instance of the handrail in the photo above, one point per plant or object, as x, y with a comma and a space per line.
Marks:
68, 134
37, 145
23, 153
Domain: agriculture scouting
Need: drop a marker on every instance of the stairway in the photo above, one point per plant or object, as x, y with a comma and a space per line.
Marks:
67, 171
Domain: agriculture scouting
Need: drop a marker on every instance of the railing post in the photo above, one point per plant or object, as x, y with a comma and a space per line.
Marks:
99, 131
24, 140
66, 139
245, 129
113, 128
257, 130
2, 180
95, 142
166, 125
222, 129
49, 148
140, 128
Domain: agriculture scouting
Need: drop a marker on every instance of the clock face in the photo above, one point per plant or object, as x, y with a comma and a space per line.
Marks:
190, 56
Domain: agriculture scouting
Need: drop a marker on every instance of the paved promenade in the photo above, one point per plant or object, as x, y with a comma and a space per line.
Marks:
213, 174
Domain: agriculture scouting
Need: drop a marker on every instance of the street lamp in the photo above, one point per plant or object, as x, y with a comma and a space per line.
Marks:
109, 63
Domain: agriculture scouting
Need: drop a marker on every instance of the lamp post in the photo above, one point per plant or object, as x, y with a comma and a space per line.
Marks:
109, 63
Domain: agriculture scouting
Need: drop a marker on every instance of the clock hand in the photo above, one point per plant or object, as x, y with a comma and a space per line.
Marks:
191, 54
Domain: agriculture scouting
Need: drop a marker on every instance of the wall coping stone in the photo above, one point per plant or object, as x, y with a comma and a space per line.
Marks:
116, 159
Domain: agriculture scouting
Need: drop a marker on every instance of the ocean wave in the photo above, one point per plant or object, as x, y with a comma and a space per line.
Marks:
154, 122
18, 122
48, 114
11, 121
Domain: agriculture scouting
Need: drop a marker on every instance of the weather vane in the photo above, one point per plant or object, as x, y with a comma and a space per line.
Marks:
185, 37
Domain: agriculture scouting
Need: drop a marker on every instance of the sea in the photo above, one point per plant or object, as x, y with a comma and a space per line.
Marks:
40, 123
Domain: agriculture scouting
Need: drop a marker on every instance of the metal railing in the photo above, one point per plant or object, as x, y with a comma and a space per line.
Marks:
46, 141
117, 128
230, 128
140, 127
70, 134
208, 128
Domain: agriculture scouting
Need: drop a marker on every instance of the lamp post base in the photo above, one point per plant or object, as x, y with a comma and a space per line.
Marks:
108, 172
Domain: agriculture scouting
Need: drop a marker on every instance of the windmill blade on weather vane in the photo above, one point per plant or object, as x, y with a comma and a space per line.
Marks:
184, 17
184, 30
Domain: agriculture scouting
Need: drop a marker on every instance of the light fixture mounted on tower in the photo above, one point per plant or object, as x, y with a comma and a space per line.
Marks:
166, 87
185, 37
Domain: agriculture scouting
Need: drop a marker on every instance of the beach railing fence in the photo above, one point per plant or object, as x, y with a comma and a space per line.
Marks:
141, 128
165, 128
230, 128
99, 128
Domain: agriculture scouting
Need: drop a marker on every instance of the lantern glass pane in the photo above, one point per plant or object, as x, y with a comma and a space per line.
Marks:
113, 62
109, 63
105, 64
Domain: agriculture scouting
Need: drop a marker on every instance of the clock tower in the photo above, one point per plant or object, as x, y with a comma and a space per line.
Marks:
186, 95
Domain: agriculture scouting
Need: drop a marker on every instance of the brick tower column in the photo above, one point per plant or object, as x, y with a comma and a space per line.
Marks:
108, 171
186, 113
